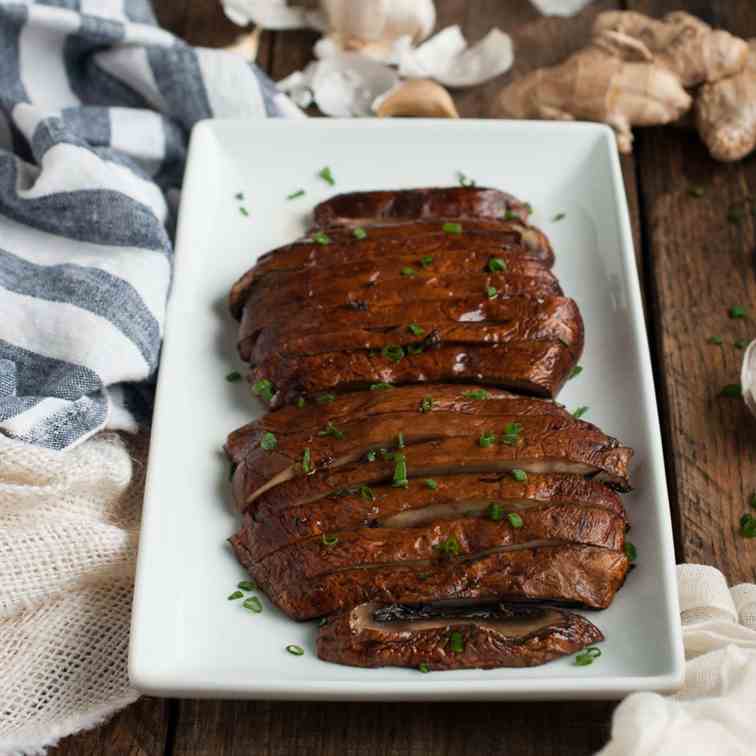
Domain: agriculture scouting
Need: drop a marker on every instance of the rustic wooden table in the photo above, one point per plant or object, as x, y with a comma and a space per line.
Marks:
695, 264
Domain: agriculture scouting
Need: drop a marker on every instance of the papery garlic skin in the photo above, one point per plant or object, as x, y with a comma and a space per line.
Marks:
748, 377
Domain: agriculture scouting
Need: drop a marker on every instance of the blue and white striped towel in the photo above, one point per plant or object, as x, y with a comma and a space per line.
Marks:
96, 105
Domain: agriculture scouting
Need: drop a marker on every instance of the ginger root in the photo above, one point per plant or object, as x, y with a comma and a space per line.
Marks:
634, 73
418, 98
681, 43
599, 84
726, 113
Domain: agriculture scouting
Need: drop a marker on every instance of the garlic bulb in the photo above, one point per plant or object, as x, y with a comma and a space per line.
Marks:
373, 26
748, 377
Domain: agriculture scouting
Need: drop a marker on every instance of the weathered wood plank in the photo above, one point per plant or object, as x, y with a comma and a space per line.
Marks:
700, 265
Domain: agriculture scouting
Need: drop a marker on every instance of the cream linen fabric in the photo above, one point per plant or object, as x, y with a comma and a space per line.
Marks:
715, 712
69, 525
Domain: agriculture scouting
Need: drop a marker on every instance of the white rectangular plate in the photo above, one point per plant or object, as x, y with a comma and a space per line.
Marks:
187, 639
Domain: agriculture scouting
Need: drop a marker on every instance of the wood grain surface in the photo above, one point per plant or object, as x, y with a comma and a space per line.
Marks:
695, 264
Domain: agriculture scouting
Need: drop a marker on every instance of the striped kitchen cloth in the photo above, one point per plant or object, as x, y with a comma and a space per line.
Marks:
96, 105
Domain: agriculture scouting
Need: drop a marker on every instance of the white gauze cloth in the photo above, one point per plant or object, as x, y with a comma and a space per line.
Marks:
69, 524
715, 712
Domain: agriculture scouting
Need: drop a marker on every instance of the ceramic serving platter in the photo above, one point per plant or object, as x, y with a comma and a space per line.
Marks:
187, 638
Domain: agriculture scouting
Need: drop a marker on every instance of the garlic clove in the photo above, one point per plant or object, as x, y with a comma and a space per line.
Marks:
419, 98
748, 377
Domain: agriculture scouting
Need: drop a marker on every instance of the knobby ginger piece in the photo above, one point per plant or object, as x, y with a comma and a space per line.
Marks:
726, 114
417, 98
599, 83
679, 42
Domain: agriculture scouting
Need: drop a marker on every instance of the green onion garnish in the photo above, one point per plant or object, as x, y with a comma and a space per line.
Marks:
423, 667
741, 343
400, 441
737, 312
264, 389
244, 211
449, 547
511, 435
325, 398
247, 585
234, 377
426, 405
321, 238
300, 402
452, 228
371, 455
268, 441
464, 180
748, 526
306, 461
630, 551
491, 292
295, 650
479, 394
239, 196
528, 208
509, 215
696, 191
235, 595
732, 391
519, 475
431, 484
393, 352
359, 233
575, 372
326, 175
496, 265
588, 656
415, 329
400, 471
408, 271
426, 261
367, 493
718, 340
253, 604
456, 642
515, 520
329, 540
495, 512
294, 195
487, 439
332, 430
579, 412
381, 386
557, 217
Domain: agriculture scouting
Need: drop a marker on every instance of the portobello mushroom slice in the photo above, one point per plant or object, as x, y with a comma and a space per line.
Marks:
436, 636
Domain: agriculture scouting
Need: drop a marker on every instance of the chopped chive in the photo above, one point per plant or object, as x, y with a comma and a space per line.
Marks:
519, 475
430, 483
329, 540
321, 238
306, 461
247, 585
630, 551
332, 430
588, 656
579, 412
300, 402
234, 377
264, 389
515, 520
464, 180
696, 191
479, 394
496, 265
415, 348
400, 471
528, 208
359, 233
452, 228
268, 442
325, 398
748, 526
415, 329
322, 621
366, 493
400, 441
426, 261
495, 512
491, 292
408, 271
511, 435
426, 405
449, 547
244, 211
235, 595
741, 343
423, 667
575, 372
253, 604
295, 650
457, 643
232, 470
326, 175
393, 352
718, 340
487, 439
732, 391
296, 194
381, 386
371, 455
558, 217
737, 312
510, 215
239, 196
